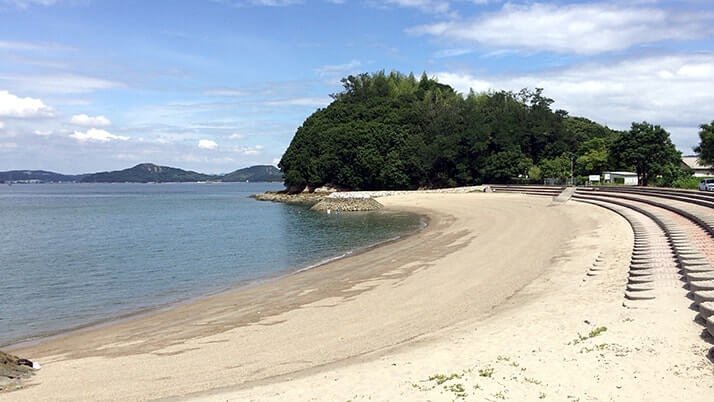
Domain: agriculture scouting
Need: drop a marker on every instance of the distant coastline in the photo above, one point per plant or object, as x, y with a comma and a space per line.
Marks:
144, 173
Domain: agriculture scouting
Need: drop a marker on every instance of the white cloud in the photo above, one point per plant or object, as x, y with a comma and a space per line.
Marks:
20, 45
452, 52
276, 161
235, 136
427, 6
305, 101
269, 3
85, 120
96, 135
14, 106
28, 3
207, 144
225, 92
42, 133
2, 125
673, 90
574, 28
255, 150
58, 84
337, 69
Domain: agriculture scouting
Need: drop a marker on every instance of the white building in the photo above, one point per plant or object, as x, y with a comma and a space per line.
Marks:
629, 178
698, 170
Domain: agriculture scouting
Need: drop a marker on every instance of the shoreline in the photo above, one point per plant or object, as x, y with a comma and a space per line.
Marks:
358, 286
494, 281
235, 287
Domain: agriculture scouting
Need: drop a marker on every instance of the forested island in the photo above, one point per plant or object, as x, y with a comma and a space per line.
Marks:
394, 131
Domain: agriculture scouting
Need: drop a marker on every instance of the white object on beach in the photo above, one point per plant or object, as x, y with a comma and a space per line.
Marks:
36, 365
329, 211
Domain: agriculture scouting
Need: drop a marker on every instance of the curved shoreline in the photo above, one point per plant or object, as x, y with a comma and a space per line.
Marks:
20, 346
466, 263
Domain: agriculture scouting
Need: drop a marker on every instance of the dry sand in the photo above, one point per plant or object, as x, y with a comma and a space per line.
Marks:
493, 293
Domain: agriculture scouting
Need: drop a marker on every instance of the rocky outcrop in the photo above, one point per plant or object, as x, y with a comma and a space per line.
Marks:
13, 369
347, 204
299, 198
307, 196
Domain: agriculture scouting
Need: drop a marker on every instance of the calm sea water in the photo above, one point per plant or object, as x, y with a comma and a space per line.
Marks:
77, 254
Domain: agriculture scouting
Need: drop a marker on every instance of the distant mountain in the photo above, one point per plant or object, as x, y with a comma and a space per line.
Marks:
255, 173
148, 172
39, 175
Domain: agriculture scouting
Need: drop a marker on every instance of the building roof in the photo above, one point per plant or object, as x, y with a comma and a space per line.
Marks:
692, 161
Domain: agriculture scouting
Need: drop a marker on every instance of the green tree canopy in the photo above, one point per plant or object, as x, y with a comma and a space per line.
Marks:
594, 156
648, 149
396, 131
705, 149
559, 167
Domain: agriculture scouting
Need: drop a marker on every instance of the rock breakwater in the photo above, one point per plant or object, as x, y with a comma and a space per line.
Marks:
347, 204
300, 198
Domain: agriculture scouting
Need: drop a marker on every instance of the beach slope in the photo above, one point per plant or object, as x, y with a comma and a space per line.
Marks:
493, 292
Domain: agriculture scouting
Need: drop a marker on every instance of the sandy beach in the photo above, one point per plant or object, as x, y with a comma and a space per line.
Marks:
491, 301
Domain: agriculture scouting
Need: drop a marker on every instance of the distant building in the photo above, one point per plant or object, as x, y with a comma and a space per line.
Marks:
698, 170
627, 178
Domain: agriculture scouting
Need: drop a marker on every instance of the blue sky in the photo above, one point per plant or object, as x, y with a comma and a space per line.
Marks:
216, 85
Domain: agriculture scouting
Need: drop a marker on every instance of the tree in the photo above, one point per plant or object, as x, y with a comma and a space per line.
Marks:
396, 131
594, 156
557, 168
502, 166
705, 149
534, 173
648, 149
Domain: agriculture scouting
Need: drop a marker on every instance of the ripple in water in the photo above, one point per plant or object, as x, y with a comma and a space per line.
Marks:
76, 254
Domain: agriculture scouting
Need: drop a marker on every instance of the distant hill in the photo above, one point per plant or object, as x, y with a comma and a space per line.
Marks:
40, 175
148, 172
145, 173
255, 173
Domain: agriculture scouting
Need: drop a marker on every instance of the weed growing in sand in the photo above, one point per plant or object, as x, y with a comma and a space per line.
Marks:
477, 387
515, 364
457, 389
421, 387
599, 347
541, 395
499, 395
503, 358
595, 332
442, 378
532, 380
487, 372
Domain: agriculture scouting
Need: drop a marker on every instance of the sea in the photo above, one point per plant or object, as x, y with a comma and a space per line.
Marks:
75, 255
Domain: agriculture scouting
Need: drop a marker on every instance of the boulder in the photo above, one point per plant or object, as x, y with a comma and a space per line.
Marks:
12, 369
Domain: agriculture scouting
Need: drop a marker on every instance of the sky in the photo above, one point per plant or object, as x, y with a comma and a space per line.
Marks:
217, 85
